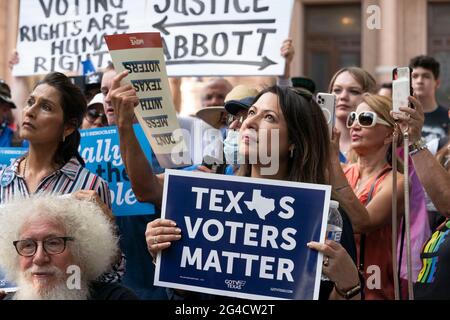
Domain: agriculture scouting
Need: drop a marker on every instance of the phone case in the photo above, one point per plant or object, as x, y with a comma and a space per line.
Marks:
327, 102
401, 87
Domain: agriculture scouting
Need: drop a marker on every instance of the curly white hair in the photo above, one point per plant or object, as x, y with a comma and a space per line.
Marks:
95, 247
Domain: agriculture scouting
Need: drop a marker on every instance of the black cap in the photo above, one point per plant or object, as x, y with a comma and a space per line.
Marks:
305, 83
234, 106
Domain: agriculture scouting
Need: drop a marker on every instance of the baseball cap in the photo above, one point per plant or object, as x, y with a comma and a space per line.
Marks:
305, 83
5, 94
241, 97
233, 103
97, 99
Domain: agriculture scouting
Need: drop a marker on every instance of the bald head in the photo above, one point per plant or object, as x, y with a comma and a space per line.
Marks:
214, 92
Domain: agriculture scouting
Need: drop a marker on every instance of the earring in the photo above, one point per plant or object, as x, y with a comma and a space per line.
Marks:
64, 138
292, 152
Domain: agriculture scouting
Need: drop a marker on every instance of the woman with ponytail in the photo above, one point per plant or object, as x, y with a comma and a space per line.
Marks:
51, 118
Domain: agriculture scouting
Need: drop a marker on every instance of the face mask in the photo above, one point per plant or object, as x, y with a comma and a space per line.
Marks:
231, 147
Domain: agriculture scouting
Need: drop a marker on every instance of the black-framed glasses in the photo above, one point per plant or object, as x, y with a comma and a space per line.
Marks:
366, 119
93, 114
52, 246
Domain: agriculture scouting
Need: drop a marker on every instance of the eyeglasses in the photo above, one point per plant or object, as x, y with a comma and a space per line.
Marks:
240, 116
54, 245
366, 119
93, 114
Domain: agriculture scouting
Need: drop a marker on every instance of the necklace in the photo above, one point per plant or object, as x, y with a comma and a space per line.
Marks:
25, 167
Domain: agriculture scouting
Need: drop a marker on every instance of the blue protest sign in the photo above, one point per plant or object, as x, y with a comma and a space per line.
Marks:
5, 285
243, 237
101, 151
8, 155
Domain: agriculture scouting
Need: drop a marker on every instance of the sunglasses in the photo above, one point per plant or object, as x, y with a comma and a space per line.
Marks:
366, 119
93, 114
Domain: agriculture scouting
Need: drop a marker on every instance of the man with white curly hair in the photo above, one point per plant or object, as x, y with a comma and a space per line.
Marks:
56, 247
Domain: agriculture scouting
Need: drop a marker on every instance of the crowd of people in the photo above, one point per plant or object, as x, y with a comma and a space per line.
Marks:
55, 213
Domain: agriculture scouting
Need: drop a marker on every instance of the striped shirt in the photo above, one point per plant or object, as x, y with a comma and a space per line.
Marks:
68, 179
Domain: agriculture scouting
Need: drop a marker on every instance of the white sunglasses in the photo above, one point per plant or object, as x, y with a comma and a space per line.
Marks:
366, 119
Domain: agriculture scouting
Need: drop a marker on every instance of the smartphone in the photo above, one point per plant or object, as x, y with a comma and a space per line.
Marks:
327, 101
214, 164
401, 88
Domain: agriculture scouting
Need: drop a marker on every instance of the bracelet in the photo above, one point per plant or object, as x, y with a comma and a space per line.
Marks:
350, 293
342, 187
417, 146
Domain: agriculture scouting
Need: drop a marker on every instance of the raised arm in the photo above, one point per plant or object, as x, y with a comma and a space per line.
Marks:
19, 88
379, 211
147, 186
432, 175
287, 52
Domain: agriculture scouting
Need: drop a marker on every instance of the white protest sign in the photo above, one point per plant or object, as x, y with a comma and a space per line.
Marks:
56, 35
222, 37
201, 37
142, 55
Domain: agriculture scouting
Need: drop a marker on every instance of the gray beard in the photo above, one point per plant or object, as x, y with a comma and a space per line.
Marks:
59, 292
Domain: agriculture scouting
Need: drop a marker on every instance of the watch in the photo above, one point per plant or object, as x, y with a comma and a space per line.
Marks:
417, 146
350, 293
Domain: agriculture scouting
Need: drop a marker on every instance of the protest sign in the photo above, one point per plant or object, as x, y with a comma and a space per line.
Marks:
8, 155
243, 237
101, 151
201, 37
56, 35
142, 55
241, 37
5, 285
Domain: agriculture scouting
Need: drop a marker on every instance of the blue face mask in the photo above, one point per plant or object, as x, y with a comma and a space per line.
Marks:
231, 147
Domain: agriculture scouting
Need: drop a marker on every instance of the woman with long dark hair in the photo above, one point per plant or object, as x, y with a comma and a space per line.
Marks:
51, 118
302, 153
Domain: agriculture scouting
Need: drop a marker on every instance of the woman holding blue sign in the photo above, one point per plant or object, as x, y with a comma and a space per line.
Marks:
299, 121
51, 119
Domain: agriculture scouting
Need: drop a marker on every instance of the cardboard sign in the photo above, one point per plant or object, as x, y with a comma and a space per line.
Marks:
201, 37
240, 37
243, 237
56, 35
142, 55
101, 151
